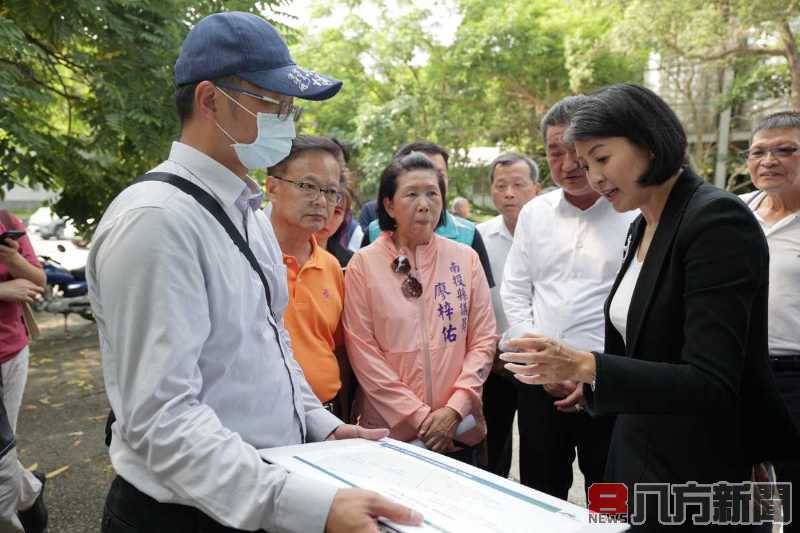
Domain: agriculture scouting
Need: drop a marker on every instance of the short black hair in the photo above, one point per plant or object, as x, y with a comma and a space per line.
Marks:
789, 120
642, 117
343, 147
509, 158
561, 113
426, 147
306, 143
388, 186
184, 96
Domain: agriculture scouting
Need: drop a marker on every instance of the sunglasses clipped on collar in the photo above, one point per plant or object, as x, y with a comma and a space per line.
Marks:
411, 286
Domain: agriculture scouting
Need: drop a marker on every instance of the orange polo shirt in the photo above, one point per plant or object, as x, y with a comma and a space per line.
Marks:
313, 316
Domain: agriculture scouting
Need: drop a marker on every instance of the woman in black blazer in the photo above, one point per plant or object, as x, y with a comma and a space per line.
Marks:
688, 380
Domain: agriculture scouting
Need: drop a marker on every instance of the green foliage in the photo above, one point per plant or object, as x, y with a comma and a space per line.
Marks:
757, 80
86, 85
86, 90
509, 62
738, 32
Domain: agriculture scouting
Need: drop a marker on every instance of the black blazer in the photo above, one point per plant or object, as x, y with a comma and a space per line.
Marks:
691, 383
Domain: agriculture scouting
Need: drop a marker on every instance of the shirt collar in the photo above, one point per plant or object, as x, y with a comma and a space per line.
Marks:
252, 196
565, 205
497, 226
754, 201
314, 259
224, 184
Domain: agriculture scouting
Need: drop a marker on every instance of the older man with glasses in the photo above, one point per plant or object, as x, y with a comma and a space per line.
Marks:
774, 164
304, 190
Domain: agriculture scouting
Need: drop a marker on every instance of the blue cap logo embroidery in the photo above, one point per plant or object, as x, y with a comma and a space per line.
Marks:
304, 78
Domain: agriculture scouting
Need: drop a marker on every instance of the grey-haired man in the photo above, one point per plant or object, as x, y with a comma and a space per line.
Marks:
514, 182
197, 364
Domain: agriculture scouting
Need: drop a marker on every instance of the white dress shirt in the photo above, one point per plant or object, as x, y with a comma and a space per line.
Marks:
783, 312
192, 368
561, 267
497, 240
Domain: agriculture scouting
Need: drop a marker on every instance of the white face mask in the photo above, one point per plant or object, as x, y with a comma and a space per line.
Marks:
272, 144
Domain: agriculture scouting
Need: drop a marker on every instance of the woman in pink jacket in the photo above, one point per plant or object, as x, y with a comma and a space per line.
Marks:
418, 319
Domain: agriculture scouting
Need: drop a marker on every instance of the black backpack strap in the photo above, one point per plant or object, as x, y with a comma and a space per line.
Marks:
213, 207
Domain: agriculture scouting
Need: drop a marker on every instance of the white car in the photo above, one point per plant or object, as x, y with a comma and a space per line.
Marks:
41, 217
47, 224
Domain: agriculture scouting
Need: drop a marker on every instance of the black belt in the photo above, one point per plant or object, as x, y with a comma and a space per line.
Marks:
785, 362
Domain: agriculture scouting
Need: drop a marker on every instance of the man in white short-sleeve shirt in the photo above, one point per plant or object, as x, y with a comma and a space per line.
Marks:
774, 164
514, 182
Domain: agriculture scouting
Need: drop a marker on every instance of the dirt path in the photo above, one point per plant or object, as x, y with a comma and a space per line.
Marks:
61, 425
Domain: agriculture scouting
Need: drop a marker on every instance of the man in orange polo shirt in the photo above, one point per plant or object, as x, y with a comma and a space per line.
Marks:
304, 188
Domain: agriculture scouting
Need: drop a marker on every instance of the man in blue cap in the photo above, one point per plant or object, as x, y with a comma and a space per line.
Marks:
197, 364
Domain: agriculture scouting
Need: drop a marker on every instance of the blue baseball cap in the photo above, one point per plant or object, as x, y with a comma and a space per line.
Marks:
247, 46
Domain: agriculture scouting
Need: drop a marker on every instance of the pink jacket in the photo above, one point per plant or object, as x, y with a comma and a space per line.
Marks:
412, 356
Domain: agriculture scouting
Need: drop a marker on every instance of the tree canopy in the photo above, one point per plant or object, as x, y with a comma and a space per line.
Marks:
86, 89
508, 63
86, 85
715, 31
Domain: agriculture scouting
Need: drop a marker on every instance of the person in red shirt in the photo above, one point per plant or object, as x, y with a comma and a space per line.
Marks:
21, 281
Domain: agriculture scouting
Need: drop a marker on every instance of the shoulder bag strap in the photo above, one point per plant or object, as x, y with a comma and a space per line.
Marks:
213, 207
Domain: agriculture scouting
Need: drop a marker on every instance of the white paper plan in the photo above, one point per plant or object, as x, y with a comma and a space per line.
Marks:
452, 496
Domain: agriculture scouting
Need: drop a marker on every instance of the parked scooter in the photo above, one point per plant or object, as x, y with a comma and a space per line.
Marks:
66, 291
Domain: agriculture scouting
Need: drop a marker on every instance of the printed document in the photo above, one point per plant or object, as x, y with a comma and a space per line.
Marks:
452, 496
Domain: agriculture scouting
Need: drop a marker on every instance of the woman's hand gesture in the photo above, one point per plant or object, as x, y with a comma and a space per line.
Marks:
541, 360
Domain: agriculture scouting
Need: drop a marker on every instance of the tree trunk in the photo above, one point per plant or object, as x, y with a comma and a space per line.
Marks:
793, 57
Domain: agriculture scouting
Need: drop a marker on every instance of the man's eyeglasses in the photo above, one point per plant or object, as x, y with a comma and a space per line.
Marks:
312, 191
781, 152
411, 286
285, 109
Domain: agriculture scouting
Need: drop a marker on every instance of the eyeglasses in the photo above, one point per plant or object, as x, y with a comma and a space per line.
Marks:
285, 109
781, 152
312, 191
411, 286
